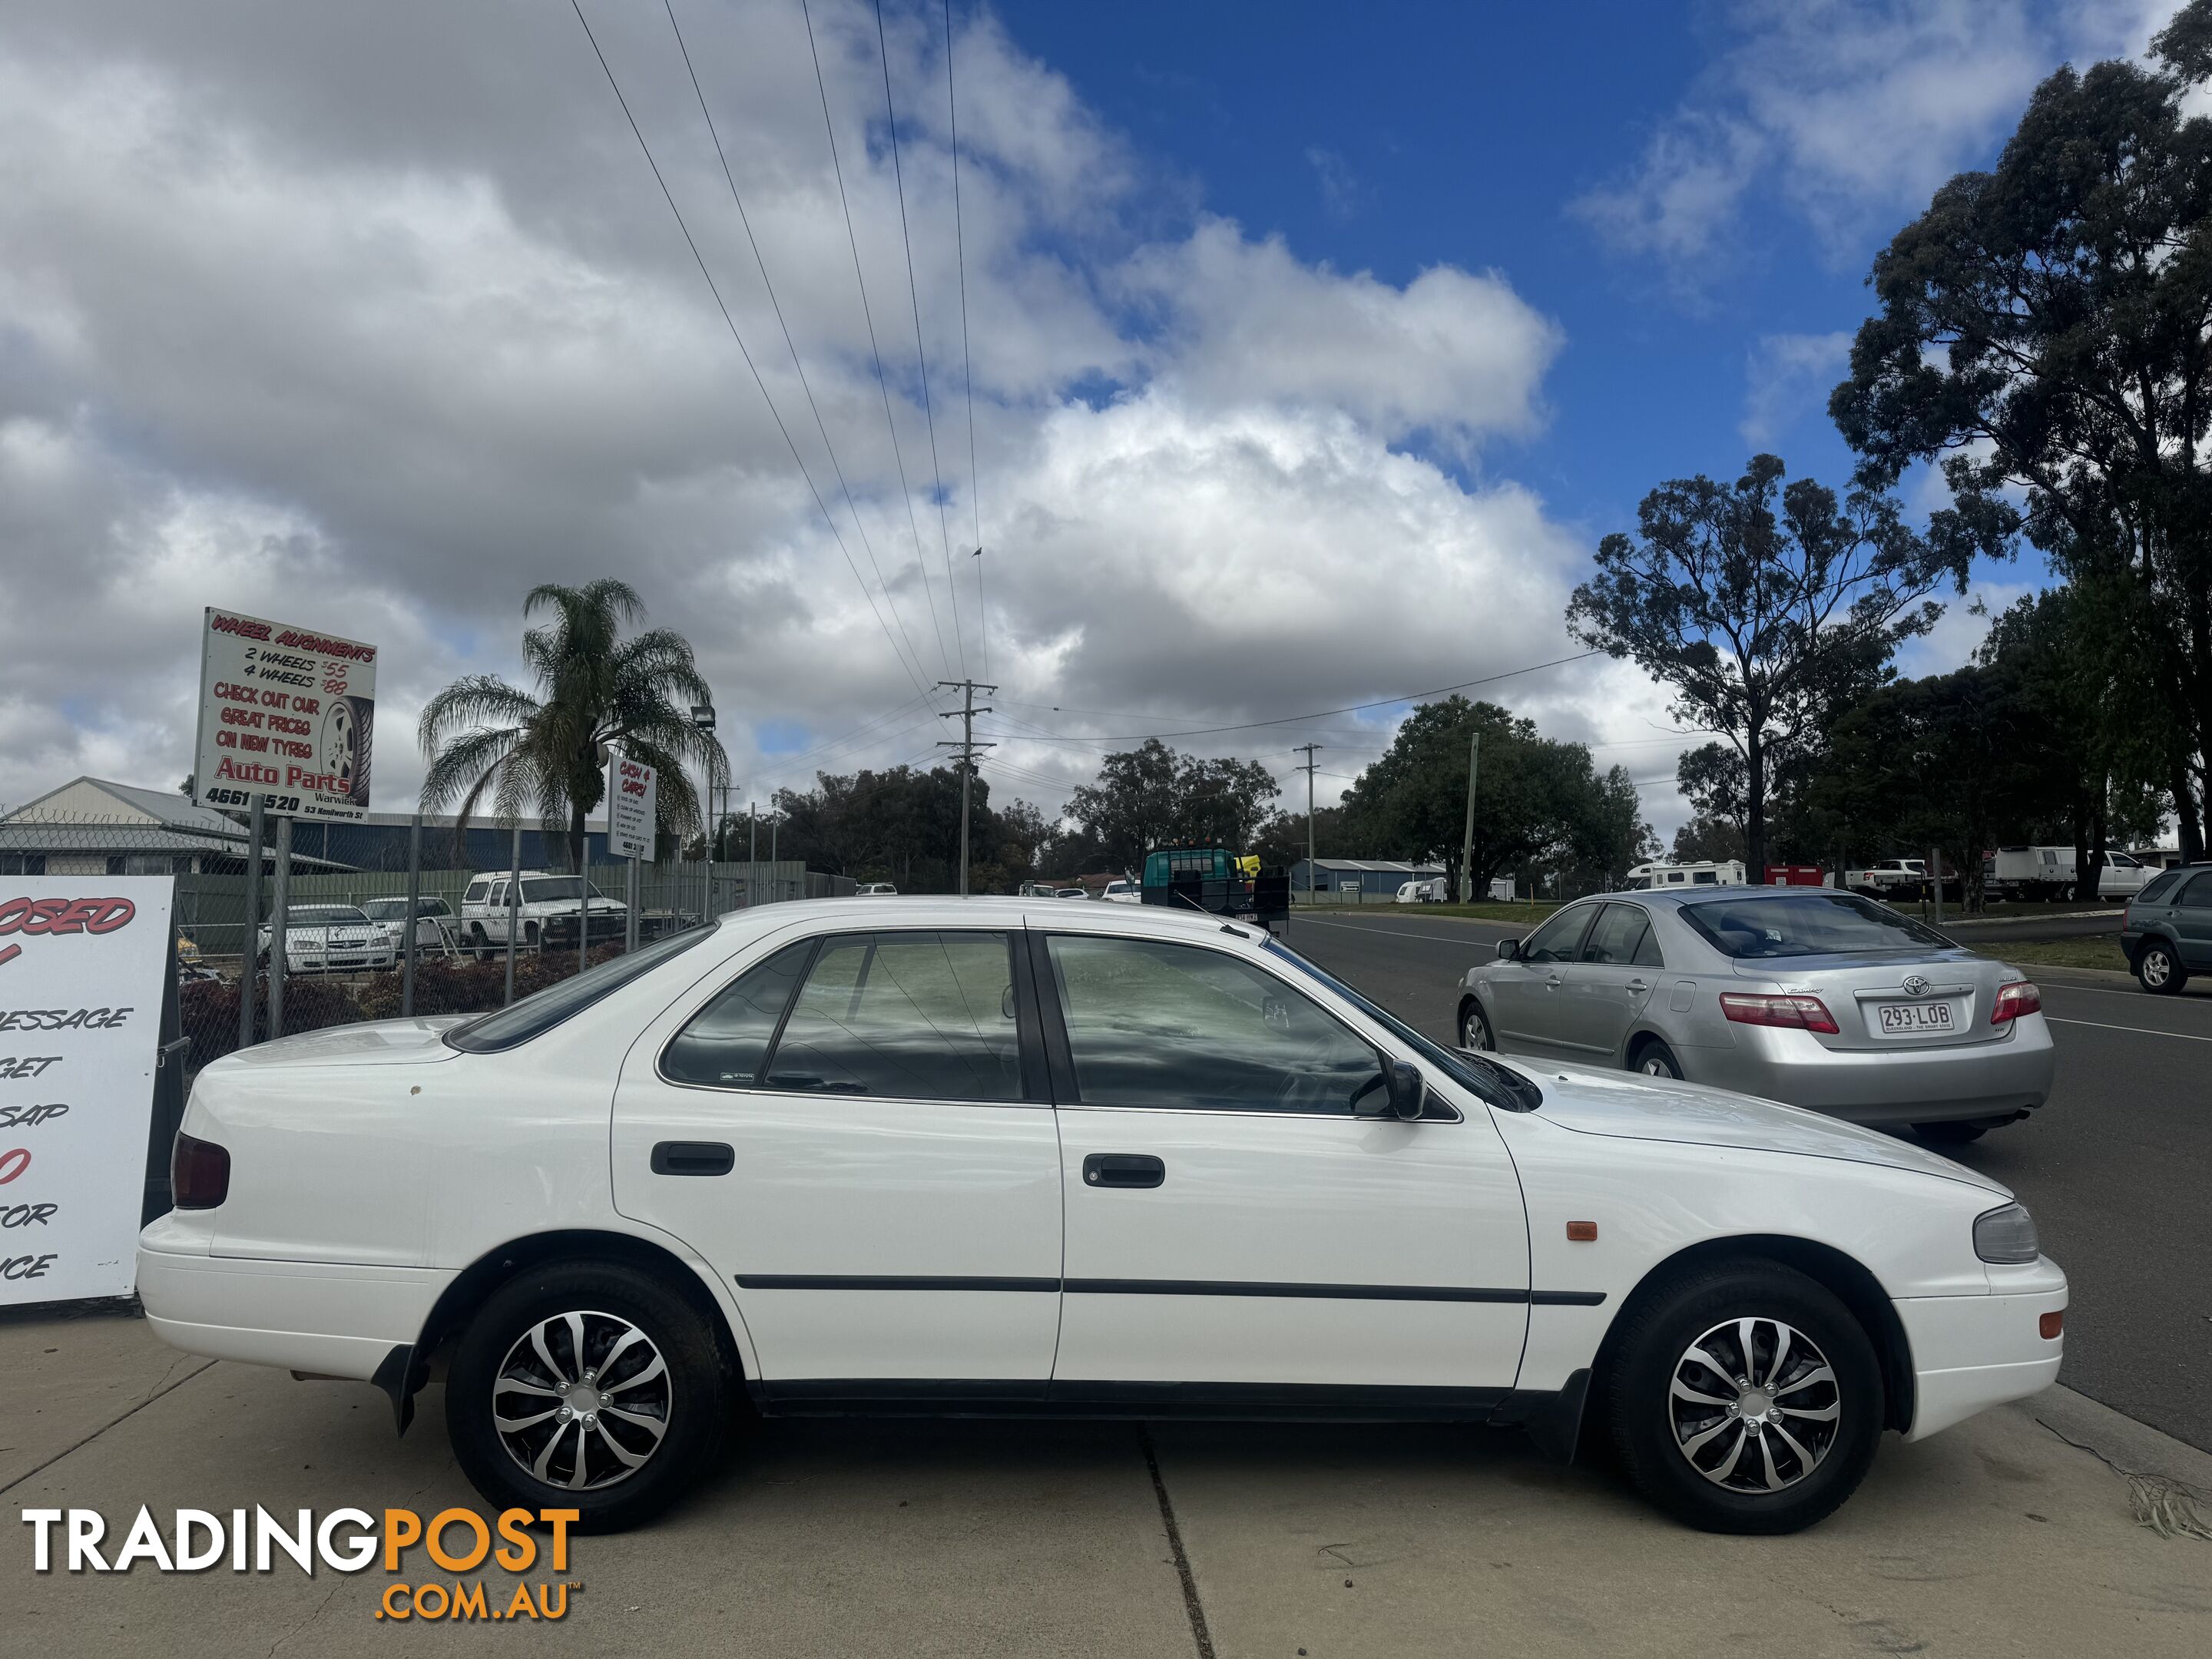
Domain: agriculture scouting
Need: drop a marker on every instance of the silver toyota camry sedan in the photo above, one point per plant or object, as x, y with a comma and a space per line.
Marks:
1810, 997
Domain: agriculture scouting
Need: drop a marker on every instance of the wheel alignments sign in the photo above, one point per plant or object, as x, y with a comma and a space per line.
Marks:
81, 966
286, 714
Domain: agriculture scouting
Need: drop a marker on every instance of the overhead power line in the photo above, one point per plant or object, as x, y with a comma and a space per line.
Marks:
967, 362
731, 322
875, 351
921, 359
791, 345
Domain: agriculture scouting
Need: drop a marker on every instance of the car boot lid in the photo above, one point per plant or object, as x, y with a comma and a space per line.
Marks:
386, 1041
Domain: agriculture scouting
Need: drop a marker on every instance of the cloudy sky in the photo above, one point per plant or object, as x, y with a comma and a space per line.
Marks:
1304, 350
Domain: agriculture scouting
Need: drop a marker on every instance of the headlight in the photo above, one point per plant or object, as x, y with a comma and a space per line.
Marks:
2006, 1235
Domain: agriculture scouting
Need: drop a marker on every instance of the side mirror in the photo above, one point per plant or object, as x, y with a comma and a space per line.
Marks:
1407, 1091
1509, 950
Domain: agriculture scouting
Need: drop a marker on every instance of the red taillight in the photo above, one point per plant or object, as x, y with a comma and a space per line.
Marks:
199, 1174
2021, 997
1799, 1013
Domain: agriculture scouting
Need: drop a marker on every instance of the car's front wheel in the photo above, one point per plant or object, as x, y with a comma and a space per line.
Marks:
1744, 1397
1474, 1029
2159, 970
587, 1388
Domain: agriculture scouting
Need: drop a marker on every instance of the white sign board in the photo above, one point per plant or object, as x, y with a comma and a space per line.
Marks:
632, 792
286, 714
81, 964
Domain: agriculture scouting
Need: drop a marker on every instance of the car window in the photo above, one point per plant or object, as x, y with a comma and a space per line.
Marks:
475, 893
556, 890
2197, 896
1648, 954
1558, 939
726, 1043
2121, 862
1614, 938
912, 1015
1155, 1024
2155, 889
322, 915
386, 909
1807, 923
543, 1010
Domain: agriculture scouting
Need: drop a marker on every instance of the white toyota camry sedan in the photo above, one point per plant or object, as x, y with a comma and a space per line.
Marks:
1006, 1157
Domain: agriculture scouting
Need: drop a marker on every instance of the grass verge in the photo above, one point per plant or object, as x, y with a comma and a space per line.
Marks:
1529, 914
2061, 953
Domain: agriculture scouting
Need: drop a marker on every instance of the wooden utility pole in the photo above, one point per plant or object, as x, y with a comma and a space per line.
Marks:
1466, 842
1309, 750
967, 745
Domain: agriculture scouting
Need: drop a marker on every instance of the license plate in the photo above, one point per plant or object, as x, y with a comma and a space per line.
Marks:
1912, 1019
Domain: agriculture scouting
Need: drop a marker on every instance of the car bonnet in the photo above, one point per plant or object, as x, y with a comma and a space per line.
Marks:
1637, 1107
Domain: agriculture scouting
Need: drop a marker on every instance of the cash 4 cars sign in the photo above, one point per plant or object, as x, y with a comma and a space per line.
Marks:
286, 714
633, 790
81, 966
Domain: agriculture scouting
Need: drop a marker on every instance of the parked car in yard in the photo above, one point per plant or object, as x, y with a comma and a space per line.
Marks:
875, 889
1809, 996
2051, 872
1118, 891
326, 939
435, 924
989, 1155
546, 913
2167, 929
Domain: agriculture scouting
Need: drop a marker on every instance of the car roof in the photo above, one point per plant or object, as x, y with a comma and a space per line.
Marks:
861, 912
1678, 896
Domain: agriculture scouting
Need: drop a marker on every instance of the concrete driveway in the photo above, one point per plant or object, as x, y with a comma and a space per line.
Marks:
981, 1538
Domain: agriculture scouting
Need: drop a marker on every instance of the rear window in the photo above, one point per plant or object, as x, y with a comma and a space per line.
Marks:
1806, 924
542, 1011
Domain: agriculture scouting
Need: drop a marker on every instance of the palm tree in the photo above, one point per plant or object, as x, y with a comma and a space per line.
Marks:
548, 752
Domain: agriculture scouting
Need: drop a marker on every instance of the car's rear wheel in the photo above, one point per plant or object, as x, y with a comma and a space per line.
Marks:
1474, 1028
1655, 1058
2159, 970
1744, 1397
587, 1388
479, 942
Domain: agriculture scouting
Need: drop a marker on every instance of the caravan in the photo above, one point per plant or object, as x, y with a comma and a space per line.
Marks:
1658, 878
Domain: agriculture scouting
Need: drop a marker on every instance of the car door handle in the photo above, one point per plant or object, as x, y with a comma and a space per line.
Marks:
1638, 986
693, 1157
1123, 1169
1553, 981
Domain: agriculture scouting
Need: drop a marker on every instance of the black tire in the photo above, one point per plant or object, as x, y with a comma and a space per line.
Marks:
1950, 1134
479, 942
530, 936
1653, 1058
1474, 1030
2159, 970
1703, 1304
691, 1400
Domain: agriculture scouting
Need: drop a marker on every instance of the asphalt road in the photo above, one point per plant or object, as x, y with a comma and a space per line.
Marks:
2117, 1167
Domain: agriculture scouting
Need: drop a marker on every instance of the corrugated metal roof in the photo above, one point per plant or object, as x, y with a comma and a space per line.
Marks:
165, 807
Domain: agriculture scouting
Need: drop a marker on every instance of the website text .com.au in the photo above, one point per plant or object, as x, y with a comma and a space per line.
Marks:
344, 1540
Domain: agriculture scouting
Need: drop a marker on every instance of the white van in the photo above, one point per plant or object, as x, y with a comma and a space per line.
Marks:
1430, 889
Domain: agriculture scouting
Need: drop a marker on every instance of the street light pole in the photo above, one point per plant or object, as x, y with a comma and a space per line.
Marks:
1309, 750
1467, 841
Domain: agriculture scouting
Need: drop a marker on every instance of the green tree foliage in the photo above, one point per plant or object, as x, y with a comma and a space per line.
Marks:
546, 752
1951, 762
1538, 803
1150, 796
1708, 839
903, 825
2046, 327
1766, 607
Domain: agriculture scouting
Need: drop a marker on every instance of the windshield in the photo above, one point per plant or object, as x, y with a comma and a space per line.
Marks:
1808, 924
542, 1011
386, 909
556, 890
321, 915
1489, 1081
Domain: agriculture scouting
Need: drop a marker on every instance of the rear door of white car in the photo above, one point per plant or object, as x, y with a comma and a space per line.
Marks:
1236, 1232
855, 1129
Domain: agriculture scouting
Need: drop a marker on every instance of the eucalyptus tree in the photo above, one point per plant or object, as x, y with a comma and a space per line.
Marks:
543, 752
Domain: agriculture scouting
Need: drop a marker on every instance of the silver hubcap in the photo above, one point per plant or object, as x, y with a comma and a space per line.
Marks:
582, 1399
1754, 1406
2154, 967
1655, 1067
1475, 1032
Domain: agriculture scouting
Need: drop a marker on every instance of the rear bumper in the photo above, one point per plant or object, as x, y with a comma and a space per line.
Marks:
336, 1321
1970, 1352
1928, 1085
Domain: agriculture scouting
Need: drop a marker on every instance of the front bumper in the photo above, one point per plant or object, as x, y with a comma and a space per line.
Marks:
2000, 1079
1969, 1352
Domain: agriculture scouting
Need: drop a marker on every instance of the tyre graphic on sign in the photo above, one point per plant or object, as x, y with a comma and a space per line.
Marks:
342, 745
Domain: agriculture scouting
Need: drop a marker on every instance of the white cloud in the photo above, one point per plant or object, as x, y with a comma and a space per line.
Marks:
375, 325
1851, 111
1787, 377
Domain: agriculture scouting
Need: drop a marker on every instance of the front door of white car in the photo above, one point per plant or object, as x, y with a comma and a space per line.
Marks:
855, 1130
1244, 1213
